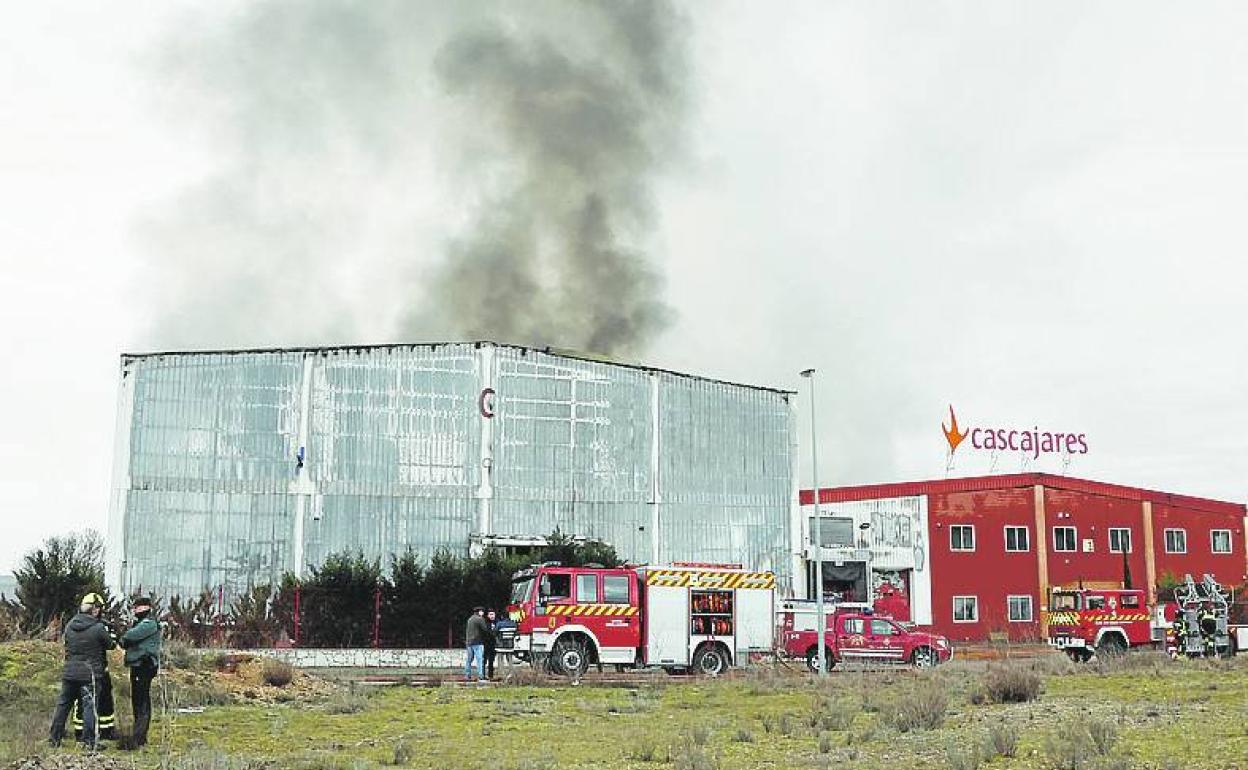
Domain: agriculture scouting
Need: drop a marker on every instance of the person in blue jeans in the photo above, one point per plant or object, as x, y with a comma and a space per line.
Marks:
475, 635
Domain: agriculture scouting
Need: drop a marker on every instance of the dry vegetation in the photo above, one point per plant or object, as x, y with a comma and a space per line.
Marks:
1136, 712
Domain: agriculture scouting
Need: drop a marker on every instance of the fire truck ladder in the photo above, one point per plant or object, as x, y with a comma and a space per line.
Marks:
1204, 607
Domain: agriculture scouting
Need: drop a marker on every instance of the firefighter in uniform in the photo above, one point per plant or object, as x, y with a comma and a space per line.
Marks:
105, 709
1208, 623
86, 641
1180, 633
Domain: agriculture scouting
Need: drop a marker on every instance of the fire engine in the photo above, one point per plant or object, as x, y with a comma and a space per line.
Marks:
1110, 621
858, 633
1202, 624
685, 616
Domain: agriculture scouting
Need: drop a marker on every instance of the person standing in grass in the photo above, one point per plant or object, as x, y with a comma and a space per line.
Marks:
86, 641
475, 634
142, 645
491, 643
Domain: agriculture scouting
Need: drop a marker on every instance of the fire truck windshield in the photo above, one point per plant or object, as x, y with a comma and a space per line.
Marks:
520, 590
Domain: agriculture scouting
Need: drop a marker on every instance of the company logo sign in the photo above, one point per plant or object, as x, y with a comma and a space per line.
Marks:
1034, 442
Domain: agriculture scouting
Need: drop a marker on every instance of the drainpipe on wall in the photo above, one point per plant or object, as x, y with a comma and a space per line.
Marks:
1042, 559
656, 493
487, 401
301, 487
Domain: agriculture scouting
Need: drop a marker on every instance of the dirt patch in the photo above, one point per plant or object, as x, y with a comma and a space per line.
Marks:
79, 761
240, 679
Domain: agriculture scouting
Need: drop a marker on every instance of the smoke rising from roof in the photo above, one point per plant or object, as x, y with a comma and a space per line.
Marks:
396, 170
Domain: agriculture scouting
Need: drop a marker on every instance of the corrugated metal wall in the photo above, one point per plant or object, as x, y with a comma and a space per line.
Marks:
398, 452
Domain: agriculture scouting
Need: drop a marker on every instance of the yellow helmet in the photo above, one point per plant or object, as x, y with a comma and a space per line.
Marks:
93, 599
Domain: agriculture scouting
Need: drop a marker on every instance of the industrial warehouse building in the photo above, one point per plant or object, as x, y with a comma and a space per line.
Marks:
976, 557
234, 467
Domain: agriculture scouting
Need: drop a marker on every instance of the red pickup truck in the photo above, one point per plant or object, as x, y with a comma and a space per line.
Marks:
858, 635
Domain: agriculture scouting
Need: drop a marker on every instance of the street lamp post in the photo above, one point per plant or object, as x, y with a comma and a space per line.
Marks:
816, 535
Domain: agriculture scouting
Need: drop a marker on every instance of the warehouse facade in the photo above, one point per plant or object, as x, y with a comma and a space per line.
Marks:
234, 467
985, 551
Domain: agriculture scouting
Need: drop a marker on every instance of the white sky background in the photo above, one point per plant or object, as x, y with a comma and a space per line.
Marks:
1034, 211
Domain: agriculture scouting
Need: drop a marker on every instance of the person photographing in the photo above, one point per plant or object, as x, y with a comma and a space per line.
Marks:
142, 646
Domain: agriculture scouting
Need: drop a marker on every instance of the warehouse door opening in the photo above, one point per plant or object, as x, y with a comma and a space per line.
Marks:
842, 581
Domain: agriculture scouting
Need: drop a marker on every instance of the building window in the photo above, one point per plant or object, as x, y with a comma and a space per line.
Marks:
962, 537
1119, 540
1176, 541
1220, 541
1020, 609
965, 609
834, 531
1016, 539
587, 589
1064, 539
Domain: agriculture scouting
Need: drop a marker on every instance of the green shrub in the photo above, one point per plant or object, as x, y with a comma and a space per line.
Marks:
277, 673
923, 708
176, 653
1103, 734
1011, 684
1002, 740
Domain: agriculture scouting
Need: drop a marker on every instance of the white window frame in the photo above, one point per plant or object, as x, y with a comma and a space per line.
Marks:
953, 527
1130, 540
1074, 540
1026, 538
974, 608
1031, 608
1166, 537
1213, 546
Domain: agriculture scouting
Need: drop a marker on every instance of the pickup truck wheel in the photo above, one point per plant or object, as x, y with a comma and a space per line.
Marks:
1079, 654
812, 659
923, 657
710, 660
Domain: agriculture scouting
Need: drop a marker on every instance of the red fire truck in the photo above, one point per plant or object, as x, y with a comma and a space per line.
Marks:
1108, 621
857, 633
699, 617
1113, 620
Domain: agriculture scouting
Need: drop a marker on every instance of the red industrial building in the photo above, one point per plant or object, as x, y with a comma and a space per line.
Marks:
993, 546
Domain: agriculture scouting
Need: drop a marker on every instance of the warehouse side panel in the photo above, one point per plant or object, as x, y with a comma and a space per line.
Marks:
393, 452
725, 474
115, 538
572, 450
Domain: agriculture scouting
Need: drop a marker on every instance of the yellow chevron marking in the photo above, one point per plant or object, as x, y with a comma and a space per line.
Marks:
723, 580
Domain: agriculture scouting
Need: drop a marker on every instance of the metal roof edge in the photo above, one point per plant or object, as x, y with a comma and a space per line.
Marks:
127, 358
1015, 481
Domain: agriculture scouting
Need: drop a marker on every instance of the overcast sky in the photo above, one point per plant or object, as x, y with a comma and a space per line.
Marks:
1034, 212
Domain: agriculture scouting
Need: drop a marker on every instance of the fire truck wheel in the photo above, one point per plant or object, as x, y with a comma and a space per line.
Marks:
923, 657
711, 660
1111, 645
812, 659
570, 657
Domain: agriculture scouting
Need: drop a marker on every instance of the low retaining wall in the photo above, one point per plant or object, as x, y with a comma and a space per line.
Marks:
364, 657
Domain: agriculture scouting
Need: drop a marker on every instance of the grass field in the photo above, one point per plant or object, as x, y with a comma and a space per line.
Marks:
1141, 711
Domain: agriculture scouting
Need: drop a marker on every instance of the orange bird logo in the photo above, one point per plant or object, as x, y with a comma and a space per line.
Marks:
952, 435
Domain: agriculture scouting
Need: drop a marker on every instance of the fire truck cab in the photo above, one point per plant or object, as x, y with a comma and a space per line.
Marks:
1107, 621
702, 617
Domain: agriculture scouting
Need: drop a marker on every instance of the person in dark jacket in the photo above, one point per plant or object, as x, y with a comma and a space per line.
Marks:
475, 634
490, 643
86, 641
142, 645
